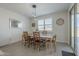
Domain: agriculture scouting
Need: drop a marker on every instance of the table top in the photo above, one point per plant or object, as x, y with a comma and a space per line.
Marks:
43, 36
46, 36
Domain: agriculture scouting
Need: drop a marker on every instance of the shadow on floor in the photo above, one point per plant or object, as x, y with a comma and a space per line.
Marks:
65, 53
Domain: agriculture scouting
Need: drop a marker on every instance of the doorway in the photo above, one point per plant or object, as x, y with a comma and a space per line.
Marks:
72, 28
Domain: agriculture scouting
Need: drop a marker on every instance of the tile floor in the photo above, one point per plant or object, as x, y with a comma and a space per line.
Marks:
18, 49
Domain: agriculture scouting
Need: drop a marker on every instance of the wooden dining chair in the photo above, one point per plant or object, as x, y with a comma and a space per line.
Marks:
31, 41
25, 38
36, 36
48, 42
54, 41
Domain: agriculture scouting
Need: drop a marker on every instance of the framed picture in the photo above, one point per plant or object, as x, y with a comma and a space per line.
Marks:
15, 23
33, 24
60, 21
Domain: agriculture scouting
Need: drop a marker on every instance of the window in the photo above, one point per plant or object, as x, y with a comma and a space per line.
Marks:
45, 24
77, 25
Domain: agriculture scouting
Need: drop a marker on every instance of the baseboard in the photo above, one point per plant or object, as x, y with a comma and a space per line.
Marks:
62, 42
10, 43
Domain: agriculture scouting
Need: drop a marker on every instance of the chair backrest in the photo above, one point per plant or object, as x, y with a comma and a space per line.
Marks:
54, 37
25, 35
36, 35
44, 32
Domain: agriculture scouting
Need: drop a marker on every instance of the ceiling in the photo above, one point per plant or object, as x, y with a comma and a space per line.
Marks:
41, 8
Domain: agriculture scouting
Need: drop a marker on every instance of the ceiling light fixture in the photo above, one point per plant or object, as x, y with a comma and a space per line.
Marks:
34, 6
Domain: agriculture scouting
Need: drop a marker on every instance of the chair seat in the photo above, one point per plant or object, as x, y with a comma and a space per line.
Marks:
53, 40
26, 40
37, 40
47, 40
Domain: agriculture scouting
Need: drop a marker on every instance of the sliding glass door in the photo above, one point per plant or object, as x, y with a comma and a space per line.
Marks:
72, 27
77, 31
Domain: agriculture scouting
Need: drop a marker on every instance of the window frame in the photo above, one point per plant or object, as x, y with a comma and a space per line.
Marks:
44, 25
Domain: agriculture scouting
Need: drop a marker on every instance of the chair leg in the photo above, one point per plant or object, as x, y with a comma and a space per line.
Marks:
37, 46
47, 45
55, 46
24, 43
28, 44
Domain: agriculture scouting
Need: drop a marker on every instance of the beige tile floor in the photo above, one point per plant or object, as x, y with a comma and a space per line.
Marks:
17, 49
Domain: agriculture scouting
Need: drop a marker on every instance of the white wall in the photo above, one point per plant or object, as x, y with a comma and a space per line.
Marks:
60, 31
10, 35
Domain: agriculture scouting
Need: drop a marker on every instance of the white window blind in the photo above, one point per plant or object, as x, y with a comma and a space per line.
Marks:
45, 24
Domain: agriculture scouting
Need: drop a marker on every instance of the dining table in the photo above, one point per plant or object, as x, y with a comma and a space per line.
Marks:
45, 37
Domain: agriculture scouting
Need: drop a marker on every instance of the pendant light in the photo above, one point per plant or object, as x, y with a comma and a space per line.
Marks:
34, 6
